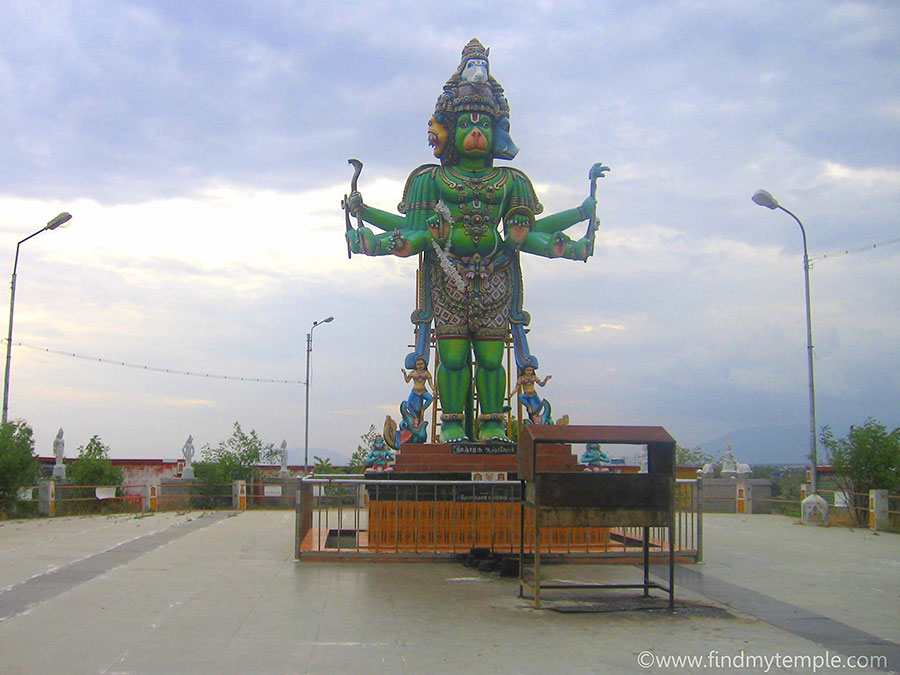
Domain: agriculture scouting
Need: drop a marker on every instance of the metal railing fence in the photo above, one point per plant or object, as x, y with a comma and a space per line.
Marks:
361, 516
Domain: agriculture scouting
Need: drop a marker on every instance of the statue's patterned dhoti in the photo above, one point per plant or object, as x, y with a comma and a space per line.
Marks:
481, 309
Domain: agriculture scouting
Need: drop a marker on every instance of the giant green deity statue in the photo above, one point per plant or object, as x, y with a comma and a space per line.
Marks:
469, 220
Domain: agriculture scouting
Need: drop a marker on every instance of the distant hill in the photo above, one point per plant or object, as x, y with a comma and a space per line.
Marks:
765, 445
295, 456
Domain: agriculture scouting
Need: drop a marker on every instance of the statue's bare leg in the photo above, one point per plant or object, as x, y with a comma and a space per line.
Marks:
453, 385
490, 381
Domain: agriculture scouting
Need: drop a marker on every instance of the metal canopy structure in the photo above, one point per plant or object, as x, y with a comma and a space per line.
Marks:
598, 499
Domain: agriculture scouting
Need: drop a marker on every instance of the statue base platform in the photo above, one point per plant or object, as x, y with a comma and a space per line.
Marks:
455, 517
470, 456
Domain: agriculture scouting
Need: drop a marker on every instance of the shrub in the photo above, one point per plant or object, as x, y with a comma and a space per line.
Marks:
93, 468
18, 463
213, 489
867, 459
239, 455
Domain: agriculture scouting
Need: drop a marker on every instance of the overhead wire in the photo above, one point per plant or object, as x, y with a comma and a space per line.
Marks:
264, 380
861, 249
156, 369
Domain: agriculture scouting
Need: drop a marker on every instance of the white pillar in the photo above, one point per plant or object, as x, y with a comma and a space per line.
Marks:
239, 495
47, 498
744, 498
150, 498
878, 510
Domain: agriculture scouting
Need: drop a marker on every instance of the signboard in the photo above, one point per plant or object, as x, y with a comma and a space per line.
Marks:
483, 449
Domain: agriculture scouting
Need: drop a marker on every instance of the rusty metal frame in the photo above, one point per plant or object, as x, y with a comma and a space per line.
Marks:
598, 499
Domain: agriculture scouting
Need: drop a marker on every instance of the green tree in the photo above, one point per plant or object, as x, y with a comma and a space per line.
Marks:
240, 455
323, 465
695, 457
868, 458
358, 458
18, 463
786, 487
212, 487
93, 468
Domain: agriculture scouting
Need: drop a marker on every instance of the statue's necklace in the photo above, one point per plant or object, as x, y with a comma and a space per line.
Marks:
482, 186
475, 198
476, 219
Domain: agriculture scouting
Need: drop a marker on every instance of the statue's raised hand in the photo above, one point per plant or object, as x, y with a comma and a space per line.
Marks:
355, 203
597, 171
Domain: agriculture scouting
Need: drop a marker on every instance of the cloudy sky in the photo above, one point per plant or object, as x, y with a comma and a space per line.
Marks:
202, 149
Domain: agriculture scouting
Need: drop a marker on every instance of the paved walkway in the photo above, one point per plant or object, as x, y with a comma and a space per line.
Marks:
220, 593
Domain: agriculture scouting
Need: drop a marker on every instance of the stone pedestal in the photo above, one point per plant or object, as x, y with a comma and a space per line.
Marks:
814, 510
188, 472
469, 457
59, 471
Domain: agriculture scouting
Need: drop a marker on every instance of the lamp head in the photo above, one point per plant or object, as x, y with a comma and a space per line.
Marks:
62, 220
328, 320
763, 198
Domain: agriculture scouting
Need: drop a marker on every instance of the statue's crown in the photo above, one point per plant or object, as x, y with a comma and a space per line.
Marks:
461, 96
474, 50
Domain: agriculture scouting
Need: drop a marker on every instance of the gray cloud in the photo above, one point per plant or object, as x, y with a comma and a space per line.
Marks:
156, 106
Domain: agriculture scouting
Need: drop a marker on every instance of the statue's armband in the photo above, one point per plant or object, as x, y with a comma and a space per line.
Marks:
517, 224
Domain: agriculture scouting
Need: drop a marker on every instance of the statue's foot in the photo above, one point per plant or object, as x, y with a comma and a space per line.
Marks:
493, 431
453, 432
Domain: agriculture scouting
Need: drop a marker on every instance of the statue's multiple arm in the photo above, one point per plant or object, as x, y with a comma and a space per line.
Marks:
545, 235
404, 235
408, 234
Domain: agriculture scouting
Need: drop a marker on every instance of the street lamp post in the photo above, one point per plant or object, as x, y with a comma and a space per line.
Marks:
306, 429
814, 503
62, 220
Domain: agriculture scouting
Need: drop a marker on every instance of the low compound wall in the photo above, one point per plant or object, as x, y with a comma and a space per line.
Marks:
724, 495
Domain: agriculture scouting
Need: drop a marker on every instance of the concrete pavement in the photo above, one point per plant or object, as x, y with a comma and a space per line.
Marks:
220, 593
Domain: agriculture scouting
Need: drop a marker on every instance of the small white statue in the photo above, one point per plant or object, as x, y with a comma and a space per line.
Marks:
59, 451
283, 456
729, 465
59, 447
188, 452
